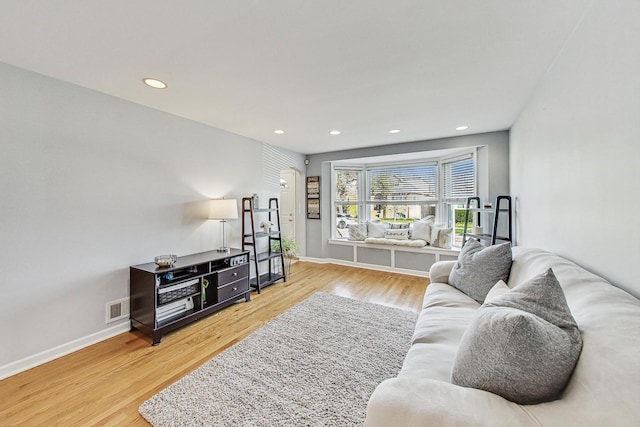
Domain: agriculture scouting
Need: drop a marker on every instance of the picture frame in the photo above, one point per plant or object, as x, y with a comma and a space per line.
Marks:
313, 197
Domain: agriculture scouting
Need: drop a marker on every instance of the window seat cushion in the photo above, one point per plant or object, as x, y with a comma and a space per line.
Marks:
416, 243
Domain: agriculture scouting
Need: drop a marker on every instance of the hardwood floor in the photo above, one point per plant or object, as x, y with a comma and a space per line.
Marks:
104, 384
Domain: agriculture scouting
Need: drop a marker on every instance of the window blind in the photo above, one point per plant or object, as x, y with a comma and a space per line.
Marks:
346, 189
458, 180
402, 184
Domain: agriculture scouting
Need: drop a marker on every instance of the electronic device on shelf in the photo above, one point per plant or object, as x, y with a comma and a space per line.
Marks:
237, 260
174, 309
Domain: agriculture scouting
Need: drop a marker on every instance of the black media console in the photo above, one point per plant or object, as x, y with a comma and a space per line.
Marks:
166, 298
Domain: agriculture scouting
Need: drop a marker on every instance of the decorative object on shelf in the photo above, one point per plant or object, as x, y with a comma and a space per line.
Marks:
266, 226
313, 197
165, 260
256, 201
222, 210
205, 285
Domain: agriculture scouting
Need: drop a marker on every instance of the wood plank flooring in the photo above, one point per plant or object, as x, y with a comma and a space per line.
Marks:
105, 383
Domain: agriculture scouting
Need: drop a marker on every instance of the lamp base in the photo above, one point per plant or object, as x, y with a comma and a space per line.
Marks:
224, 249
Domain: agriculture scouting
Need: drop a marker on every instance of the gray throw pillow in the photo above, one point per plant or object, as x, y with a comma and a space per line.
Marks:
479, 268
522, 345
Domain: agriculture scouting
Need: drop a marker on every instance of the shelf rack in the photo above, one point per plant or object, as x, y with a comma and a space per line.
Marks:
499, 210
265, 271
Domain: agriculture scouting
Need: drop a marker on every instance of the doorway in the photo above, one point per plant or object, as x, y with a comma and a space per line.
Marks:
288, 202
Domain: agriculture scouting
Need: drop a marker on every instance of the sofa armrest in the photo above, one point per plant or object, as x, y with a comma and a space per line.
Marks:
439, 272
406, 401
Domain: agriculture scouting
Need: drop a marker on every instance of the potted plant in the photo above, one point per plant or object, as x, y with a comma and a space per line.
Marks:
288, 247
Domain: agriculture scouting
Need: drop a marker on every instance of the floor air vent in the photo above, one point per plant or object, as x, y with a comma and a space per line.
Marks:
117, 310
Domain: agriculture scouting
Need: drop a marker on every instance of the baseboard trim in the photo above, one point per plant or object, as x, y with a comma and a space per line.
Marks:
43, 357
366, 266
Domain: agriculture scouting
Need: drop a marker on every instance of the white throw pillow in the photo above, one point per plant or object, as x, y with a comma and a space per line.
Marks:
441, 237
397, 225
498, 290
397, 234
422, 231
376, 229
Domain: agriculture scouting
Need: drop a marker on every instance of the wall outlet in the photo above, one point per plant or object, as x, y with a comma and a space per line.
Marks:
117, 310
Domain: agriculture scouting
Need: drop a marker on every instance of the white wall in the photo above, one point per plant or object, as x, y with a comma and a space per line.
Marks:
575, 149
91, 184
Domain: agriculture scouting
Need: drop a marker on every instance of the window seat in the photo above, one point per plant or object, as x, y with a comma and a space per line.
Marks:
414, 260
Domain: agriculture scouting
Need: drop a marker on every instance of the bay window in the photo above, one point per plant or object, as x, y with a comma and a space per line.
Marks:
403, 192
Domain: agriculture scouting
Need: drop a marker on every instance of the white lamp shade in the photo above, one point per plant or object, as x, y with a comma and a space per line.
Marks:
223, 209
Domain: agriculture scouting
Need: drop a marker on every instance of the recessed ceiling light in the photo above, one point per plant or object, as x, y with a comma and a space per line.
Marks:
462, 128
278, 131
394, 131
335, 132
154, 83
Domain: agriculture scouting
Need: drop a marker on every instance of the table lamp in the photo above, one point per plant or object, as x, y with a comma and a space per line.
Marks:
222, 210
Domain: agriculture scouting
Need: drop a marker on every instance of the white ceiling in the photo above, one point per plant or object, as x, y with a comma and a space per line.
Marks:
307, 67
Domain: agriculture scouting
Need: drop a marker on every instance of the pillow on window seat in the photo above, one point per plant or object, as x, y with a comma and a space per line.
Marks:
398, 234
441, 236
376, 229
357, 232
398, 225
422, 231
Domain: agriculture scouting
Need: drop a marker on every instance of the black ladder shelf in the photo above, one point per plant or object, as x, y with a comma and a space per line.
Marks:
501, 208
266, 272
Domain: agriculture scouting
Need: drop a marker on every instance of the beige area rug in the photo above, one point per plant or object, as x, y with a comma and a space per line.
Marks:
315, 365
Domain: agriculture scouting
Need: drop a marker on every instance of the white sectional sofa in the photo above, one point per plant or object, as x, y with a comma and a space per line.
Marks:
604, 389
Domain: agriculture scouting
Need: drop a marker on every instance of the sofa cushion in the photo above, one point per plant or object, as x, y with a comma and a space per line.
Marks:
479, 268
443, 320
522, 345
357, 232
